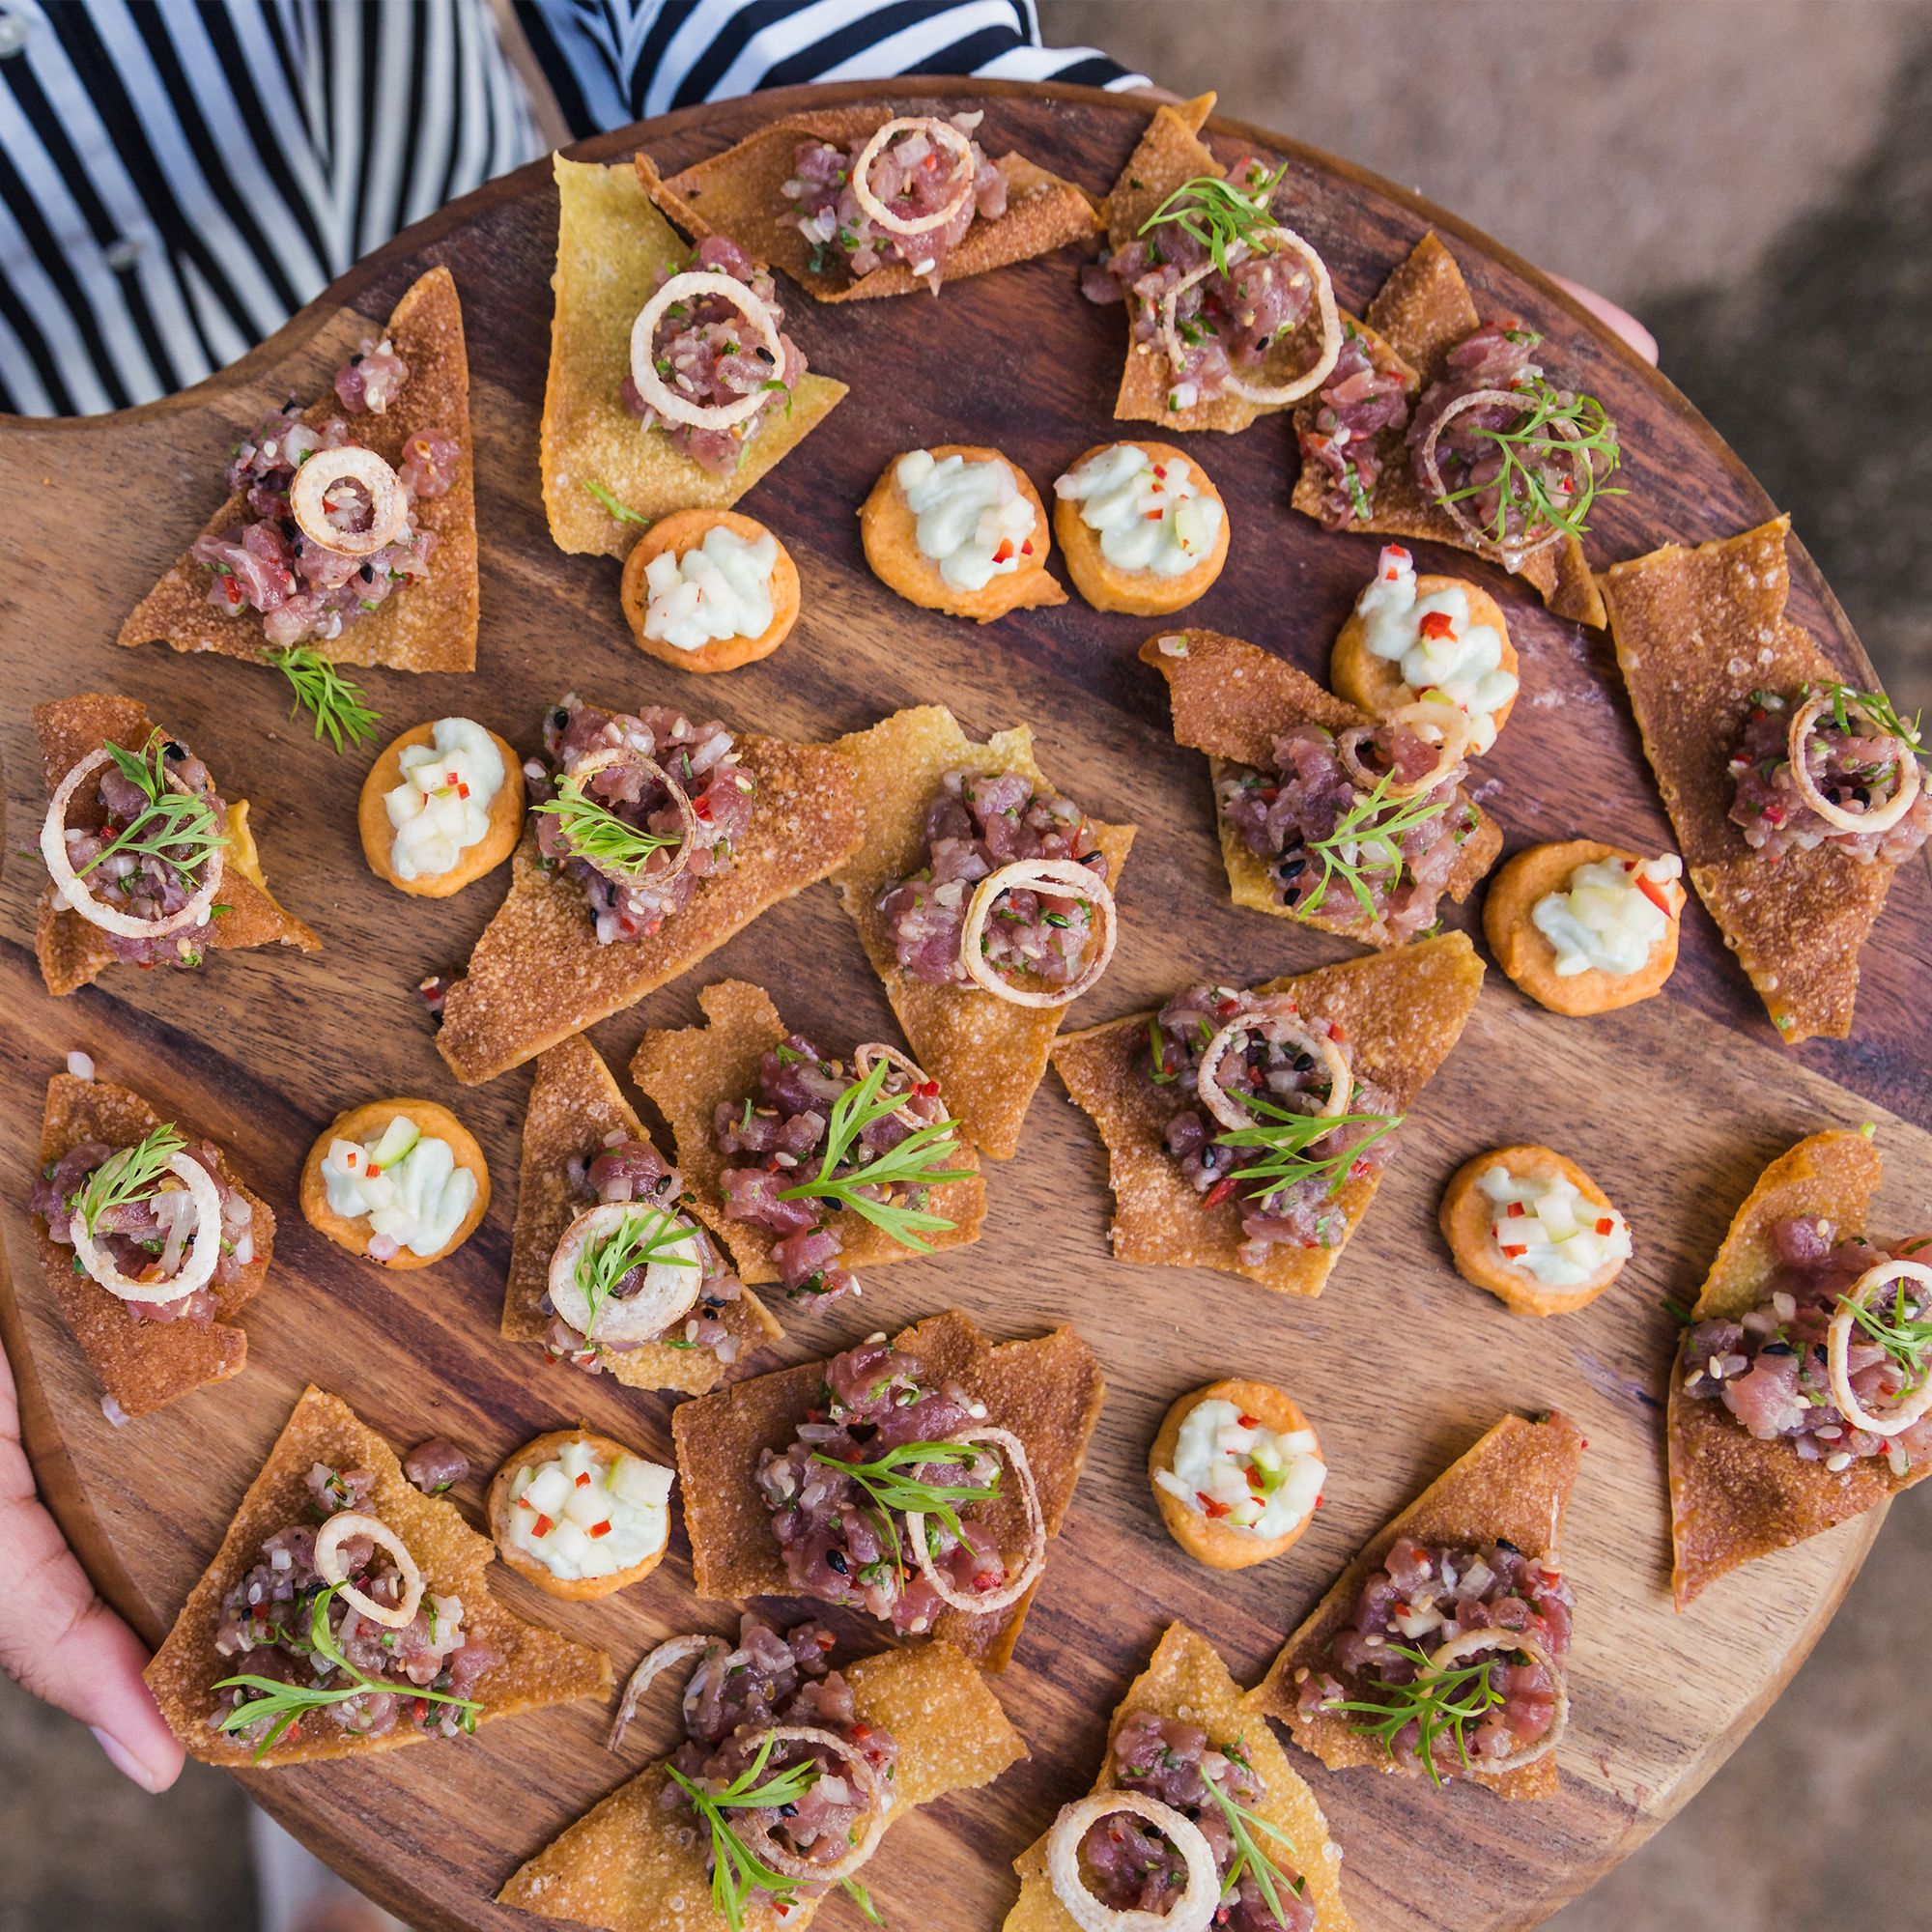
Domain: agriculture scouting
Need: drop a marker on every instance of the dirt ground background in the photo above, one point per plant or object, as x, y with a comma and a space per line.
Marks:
1754, 179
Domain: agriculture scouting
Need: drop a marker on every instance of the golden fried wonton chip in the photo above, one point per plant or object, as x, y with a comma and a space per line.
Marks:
986, 1054
633, 1865
1046, 1391
1424, 309
141, 1364
1186, 1682
610, 246
537, 974
426, 626
575, 1104
1233, 699
1697, 631
1399, 1014
537, 1666
737, 193
1514, 1484
72, 952
690, 1072
1732, 1496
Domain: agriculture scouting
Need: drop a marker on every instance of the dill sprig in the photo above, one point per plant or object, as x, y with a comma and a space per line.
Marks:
334, 700
1588, 457
1289, 1145
894, 1493
129, 1176
1439, 1704
908, 1165
599, 836
1906, 1338
1252, 1858
619, 512
736, 1870
181, 827
636, 1241
287, 1704
1874, 706
1364, 843
1218, 214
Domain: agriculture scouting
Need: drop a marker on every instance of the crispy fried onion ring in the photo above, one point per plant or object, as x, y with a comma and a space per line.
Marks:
1458, 1650
1454, 730
871, 1789
1192, 1911
980, 1602
596, 761
668, 1292
194, 1272
330, 1568
1058, 878
870, 1053
942, 134
71, 890
1285, 1029
1513, 554
667, 1655
1894, 1421
1879, 817
389, 501
693, 287
1268, 393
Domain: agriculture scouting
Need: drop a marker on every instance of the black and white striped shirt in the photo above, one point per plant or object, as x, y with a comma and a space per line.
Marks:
177, 177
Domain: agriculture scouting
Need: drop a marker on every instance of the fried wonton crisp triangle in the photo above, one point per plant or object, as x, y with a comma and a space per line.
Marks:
636, 1864
605, 475
1399, 1012
1513, 1484
987, 1055
535, 1666
575, 1106
426, 626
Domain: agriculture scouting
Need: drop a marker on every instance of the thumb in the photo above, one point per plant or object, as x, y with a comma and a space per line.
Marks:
57, 1638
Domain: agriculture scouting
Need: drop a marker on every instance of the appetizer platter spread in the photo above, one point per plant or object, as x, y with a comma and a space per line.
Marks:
1359, 954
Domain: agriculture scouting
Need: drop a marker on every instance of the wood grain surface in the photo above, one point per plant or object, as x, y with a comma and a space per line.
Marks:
1672, 1105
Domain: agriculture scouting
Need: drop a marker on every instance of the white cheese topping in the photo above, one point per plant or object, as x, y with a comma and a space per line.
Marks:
974, 520
1604, 920
1442, 653
442, 806
1150, 515
1255, 1478
1545, 1228
580, 1515
719, 588
406, 1182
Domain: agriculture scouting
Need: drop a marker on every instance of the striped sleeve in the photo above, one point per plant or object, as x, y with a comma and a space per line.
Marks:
611, 62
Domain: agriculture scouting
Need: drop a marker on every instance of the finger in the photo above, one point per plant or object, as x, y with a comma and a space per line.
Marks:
57, 1638
1625, 324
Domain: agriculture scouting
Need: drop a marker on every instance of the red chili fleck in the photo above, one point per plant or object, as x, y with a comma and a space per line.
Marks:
1605, 1226
583, 1479
1154, 516
599, 1529
1219, 1192
1661, 895
1513, 1254
1210, 1507
1335, 1031
1517, 1209
1246, 1422
542, 1526
1005, 552
1026, 549
1436, 624
927, 1090
1254, 1478
701, 808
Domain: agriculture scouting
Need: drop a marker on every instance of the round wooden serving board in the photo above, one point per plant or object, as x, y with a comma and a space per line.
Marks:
1672, 1105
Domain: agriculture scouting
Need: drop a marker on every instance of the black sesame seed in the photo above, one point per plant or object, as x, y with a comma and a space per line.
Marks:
836, 1561
175, 751
560, 719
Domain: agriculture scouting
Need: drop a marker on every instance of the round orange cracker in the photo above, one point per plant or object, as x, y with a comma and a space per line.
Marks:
1528, 958
546, 1448
1138, 592
1465, 1215
1216, 1544
1375, 685
367, 1122
888, 530
686, 529
498, 841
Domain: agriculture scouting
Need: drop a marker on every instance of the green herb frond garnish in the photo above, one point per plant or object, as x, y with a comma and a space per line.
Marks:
181, 827
596, 834
1439, 1704
908, 1165
1907, 1339
1218, 214
1873, 706
1290, 1145
1252, 1858
131, 1174
1587, 458
893, 1492
647, 1236
1365, 846
619, 512
336, 702
287, 1704
736, 1870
